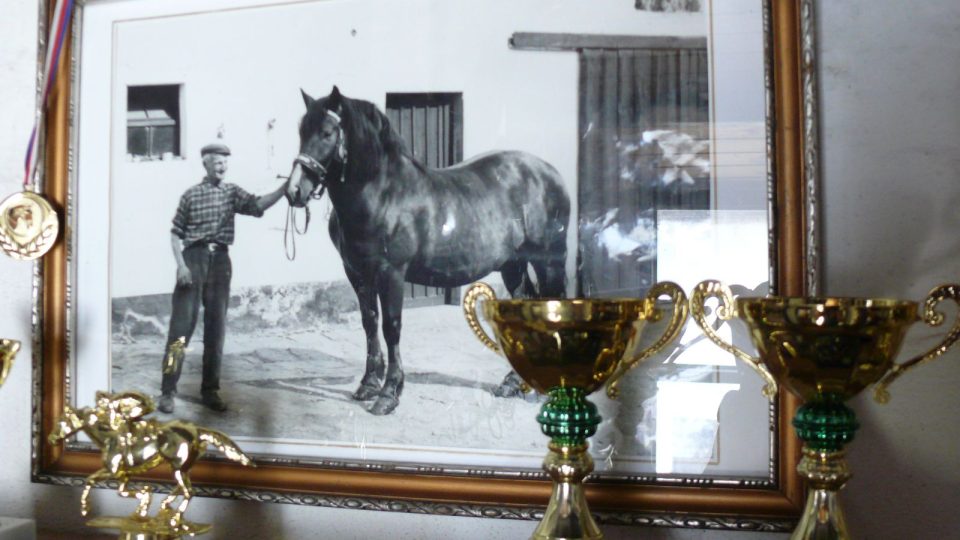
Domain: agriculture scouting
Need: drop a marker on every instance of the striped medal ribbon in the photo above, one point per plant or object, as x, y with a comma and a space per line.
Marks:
29, 225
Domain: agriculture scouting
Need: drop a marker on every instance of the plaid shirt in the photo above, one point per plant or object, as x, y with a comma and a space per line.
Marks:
206, 211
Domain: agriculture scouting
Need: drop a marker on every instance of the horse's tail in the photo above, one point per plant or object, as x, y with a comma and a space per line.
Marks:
225, 445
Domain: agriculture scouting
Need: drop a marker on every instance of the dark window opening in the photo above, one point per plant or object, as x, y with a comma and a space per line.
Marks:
153, 122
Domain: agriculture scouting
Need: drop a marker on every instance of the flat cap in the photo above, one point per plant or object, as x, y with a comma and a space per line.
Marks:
215, 148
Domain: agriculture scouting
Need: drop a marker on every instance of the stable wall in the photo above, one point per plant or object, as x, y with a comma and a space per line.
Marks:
245, 85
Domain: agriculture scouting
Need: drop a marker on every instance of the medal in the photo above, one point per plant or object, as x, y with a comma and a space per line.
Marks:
28, 223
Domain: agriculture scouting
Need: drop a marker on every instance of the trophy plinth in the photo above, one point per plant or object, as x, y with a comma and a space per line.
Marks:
825, 350
568, 349
150, 528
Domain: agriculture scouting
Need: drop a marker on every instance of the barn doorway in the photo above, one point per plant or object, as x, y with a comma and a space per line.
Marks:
644, 146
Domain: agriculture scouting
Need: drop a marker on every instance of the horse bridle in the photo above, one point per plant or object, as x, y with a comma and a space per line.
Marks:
319, 169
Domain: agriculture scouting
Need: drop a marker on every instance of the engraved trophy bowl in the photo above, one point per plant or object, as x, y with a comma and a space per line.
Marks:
825, 350
568, 349
827, 346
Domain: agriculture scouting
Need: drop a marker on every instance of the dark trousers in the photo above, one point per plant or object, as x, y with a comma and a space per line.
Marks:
210, 272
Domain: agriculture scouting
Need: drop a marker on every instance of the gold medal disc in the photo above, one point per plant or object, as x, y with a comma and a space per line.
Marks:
28, 226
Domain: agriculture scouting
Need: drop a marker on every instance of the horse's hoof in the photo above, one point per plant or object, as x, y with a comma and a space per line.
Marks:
507, 391
384, 405
512, 386
366, 393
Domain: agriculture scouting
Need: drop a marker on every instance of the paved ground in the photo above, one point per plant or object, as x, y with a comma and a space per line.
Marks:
298, 386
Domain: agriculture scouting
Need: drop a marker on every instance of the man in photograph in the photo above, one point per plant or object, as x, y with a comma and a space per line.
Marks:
202, 232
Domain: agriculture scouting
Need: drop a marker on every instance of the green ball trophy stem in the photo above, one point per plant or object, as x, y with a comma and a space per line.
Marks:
569, 419
825, 426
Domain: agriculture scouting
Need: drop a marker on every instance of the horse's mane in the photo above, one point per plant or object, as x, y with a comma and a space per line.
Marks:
370, 136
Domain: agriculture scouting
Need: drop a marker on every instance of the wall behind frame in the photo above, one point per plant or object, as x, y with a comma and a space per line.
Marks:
891, 137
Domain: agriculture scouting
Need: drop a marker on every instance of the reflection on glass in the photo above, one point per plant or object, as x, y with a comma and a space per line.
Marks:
686, 424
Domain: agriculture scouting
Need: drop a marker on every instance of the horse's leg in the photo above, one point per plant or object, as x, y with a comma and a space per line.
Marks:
87, 486
142, 495
183, 484
145, 495
167, 501
551, 277
513, 273
370, 315
390, 290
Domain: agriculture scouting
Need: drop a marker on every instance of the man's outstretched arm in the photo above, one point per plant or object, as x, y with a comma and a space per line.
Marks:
270, 199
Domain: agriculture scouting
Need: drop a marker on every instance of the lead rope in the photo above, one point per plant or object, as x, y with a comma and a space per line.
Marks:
290, 231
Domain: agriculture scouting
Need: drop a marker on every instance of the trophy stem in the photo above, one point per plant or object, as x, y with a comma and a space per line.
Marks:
567, 514
825, 426
569, 419
822, 518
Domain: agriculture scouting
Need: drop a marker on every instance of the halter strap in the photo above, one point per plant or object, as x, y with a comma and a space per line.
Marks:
341, 145
309, 162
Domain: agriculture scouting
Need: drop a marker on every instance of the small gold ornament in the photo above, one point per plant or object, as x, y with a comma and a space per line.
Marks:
28, 226
8, 351
132, 445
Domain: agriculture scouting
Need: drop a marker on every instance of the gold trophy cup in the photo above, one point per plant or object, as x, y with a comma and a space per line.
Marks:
825, 350
567, 349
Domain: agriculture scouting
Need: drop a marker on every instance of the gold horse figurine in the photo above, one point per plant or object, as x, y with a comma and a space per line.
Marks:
133, 445
8, 350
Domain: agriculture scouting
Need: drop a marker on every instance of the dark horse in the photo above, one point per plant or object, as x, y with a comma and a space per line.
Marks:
395, 220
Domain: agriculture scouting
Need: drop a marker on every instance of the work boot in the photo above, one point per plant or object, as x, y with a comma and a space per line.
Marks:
165, 405
212, 401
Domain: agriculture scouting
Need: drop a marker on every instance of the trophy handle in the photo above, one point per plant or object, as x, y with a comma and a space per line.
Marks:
475, 292
725, 311
677, 321
933, 318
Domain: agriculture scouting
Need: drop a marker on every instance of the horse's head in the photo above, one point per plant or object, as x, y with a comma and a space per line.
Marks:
70, 422
115, 410
323, 148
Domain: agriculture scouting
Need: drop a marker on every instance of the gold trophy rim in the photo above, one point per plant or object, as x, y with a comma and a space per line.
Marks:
568, 310
827, 302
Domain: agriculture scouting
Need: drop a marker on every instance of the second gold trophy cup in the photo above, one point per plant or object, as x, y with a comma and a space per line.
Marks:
567, 349
825, 350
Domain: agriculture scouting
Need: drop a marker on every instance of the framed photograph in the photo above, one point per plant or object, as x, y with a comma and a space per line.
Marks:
272, 208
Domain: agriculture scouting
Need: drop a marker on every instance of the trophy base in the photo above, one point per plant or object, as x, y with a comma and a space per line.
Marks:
151, 528
567, 516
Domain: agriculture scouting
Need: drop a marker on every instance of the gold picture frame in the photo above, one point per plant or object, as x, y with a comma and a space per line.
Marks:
792, 160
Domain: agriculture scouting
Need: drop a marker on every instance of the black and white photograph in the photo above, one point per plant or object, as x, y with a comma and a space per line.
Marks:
282, 204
